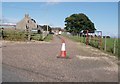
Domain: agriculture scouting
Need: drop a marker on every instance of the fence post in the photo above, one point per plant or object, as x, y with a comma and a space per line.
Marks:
87, 38
105, 44
29, 35
77, 35
114, 46
84, 38
2, 33
90, 40
100, 39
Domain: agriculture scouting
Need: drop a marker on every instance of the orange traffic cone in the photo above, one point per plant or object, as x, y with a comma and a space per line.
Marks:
63, 51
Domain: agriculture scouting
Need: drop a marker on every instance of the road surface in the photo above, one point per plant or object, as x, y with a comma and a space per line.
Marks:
38, 62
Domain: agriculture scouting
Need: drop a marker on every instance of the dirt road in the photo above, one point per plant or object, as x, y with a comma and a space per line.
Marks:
38, 62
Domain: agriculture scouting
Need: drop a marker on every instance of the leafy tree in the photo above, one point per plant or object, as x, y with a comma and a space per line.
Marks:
78, 22
45, 28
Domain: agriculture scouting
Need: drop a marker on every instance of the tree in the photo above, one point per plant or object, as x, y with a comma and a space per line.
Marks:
44, 27
78, 22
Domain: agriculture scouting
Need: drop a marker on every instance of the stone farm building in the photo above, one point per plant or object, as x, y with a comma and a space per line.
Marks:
28, 23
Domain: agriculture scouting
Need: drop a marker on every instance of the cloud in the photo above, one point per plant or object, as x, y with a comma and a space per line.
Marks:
59, 0
52, 2
8, 20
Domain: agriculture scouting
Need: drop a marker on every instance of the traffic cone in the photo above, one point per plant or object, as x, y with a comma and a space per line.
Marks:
63, 51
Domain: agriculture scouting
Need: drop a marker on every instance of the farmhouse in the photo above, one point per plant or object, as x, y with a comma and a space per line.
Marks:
28, 23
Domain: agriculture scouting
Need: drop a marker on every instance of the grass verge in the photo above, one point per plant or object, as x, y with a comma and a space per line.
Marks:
95, 43
48, 38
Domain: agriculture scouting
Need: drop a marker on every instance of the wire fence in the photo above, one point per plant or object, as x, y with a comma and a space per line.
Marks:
106, 44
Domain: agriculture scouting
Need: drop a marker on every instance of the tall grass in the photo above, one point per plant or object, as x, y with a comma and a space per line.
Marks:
14, 35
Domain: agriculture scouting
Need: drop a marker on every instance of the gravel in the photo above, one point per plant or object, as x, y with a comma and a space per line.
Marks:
38, 62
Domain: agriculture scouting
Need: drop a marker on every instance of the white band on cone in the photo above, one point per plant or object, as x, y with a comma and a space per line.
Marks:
63, 47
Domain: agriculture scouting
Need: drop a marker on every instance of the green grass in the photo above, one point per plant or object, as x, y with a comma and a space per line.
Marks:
94, 43
109, 44
14, 35
37, 37
48, 38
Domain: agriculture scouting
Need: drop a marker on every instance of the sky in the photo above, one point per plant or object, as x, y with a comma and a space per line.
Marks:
119, 19
59, 0
104, 15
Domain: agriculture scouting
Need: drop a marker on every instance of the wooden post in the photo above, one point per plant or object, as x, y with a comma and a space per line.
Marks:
90, 39
105, 44
114, 46
28, 31
87, 38
29, 36
100, 39
2, 33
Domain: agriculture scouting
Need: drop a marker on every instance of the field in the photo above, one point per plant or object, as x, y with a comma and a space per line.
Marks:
109, 45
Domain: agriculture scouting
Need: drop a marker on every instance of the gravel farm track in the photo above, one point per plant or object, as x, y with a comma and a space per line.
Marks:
38, 62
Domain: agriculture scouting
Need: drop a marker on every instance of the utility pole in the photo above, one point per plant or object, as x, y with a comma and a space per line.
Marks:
46, 14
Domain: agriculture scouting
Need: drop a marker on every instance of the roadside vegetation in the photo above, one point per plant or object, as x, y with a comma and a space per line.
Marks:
49, 38
110, 43
14, 35
37, 37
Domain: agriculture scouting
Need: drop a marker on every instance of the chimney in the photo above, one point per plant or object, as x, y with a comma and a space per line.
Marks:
26, 15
